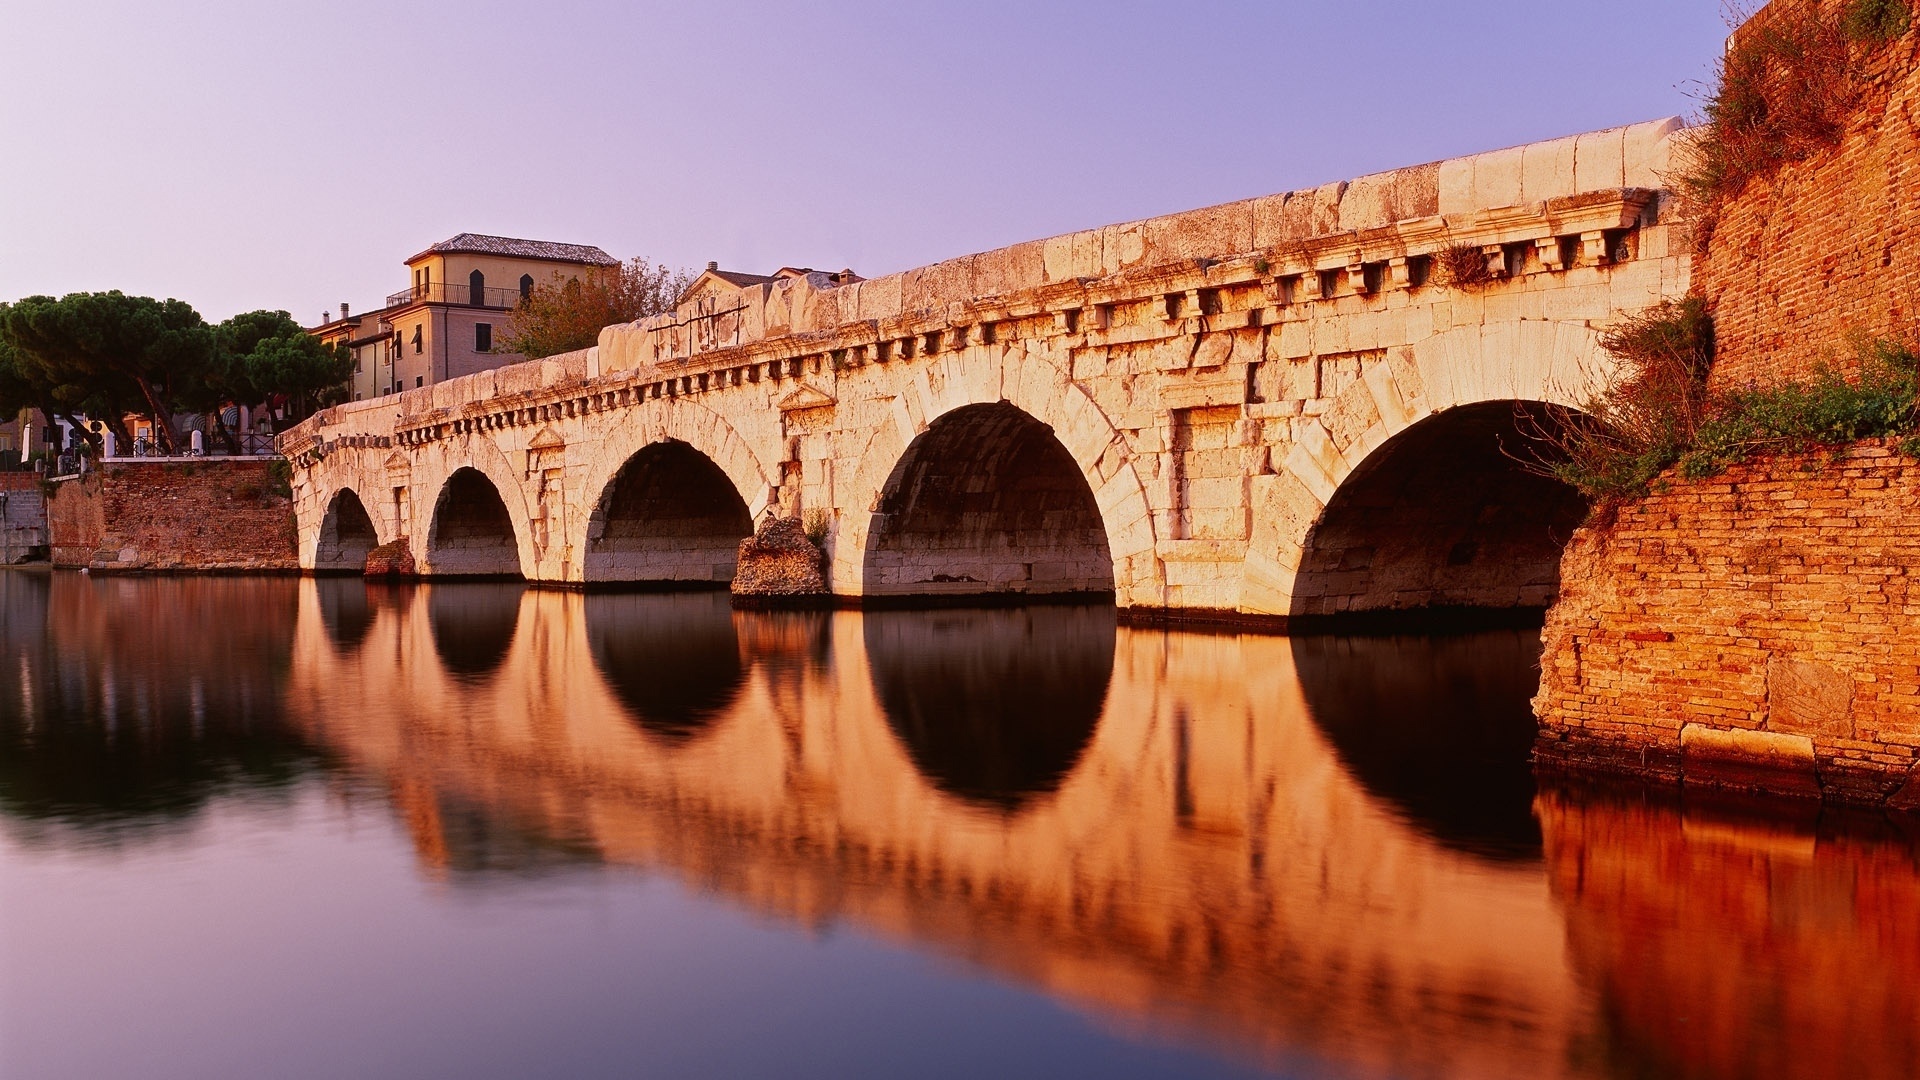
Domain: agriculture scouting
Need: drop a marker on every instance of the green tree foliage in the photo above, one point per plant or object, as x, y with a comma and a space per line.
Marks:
261, 356
568, 313
107, 353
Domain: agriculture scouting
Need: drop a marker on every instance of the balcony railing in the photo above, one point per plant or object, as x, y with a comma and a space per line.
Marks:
441, 292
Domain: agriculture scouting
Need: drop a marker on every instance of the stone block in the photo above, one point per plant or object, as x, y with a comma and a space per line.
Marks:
1748, 760
1011, 269
1647, 152
1498, 178
1272, 224
1454, 187
1213, 232
1547, 170
880, 298
1367, 203
1416, 192
1808, 698
1599, 161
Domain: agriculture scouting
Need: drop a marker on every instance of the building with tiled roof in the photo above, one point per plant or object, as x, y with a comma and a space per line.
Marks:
542, 250
714, 281
443, 325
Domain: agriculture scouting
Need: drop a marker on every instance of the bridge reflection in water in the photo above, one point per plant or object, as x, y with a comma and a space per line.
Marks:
1318, 846
1320, 850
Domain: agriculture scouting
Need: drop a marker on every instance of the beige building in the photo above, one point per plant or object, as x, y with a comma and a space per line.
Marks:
443, 325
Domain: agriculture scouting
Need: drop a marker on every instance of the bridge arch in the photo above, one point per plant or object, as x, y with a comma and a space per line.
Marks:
669, 516
1405, 495
472, 532
700, 471
1022, 408
347, 534
987, 501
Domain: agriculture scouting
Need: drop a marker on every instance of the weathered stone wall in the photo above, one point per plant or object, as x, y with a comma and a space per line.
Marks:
1754, 630
1829, 247
223, 515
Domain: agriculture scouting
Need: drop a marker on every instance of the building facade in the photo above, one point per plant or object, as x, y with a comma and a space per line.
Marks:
445, 323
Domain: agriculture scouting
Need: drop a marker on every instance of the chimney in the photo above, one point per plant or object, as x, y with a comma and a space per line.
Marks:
713, 266
343, 311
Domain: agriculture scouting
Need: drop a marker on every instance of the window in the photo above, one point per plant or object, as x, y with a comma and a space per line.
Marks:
526, 286
483, 337
419, 380
416, 339
476, 288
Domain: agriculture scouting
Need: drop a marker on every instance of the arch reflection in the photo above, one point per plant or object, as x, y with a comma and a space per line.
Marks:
1442, 728
673, 660
473, 625
346, 611
993, 706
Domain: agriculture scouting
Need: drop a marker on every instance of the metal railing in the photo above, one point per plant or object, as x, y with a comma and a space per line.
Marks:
441, 292
245, 444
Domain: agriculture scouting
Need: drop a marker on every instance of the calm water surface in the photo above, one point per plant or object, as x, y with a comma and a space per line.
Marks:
317, 829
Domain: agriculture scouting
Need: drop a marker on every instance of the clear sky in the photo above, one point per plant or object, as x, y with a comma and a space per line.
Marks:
248, 155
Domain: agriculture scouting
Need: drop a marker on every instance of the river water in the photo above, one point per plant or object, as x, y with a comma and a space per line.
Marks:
277, 828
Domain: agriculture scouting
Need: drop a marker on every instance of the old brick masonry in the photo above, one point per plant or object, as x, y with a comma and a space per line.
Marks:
224, 515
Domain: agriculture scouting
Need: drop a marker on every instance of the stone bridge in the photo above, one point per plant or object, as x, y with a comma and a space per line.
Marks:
1296, 405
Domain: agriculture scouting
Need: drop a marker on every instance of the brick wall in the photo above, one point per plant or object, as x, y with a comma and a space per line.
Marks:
1829, 247
186, 516
1755, 631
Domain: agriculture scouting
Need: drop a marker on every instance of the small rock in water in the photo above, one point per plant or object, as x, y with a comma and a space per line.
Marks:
391, 560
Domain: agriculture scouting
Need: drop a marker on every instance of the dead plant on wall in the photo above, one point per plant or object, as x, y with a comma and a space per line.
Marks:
1464, 266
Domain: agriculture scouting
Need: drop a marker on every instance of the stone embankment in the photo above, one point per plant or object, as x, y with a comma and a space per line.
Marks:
1752, 631
23, 518
228, 516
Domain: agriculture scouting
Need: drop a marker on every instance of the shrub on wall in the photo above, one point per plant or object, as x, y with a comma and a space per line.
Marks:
1464, 266
1614, 445
1829, 410
1658, 413
1786, 86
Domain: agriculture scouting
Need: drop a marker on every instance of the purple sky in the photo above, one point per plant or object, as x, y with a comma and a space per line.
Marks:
248, 155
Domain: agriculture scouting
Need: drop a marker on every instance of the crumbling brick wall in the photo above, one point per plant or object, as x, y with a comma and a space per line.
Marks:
1827, 249
182, 516
1753, 630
